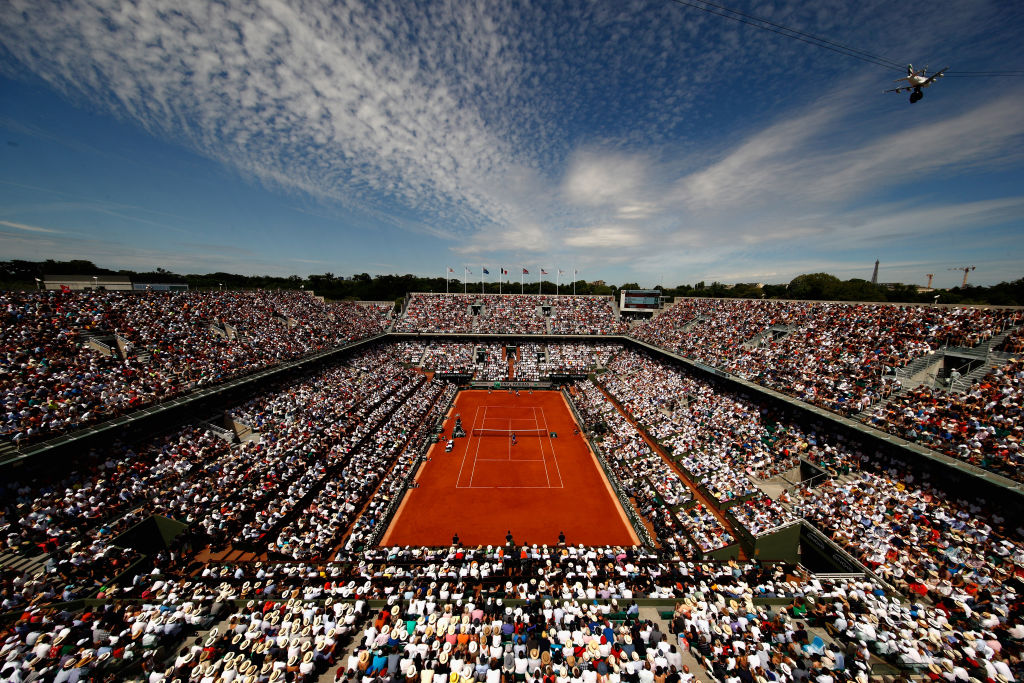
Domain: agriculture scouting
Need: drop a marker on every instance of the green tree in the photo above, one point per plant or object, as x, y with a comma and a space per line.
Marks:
814, 286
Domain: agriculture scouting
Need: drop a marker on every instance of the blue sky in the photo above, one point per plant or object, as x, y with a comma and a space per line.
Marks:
642, 141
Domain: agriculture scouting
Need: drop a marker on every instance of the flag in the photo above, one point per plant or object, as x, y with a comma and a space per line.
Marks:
450, 269
64, 289
561, 272
469, 271
504, 272
543, 272
486, 272
525, 271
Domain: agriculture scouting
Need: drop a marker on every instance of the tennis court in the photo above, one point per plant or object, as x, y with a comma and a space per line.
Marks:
544, 481
510, 446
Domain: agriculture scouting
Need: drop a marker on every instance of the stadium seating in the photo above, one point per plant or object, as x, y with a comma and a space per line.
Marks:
510, 314
75, 358
280, 552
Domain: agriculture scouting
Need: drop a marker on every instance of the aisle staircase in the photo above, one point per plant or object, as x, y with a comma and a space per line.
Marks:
964, 383
925, 369
25, 565
921, 370
774, 332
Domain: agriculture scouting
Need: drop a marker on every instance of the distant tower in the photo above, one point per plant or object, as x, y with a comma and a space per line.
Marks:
874, 275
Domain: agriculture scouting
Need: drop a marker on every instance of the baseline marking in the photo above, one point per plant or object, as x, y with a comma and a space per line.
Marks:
505, 487
503, 460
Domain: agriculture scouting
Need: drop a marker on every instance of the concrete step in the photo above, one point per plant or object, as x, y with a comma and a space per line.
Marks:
23, 564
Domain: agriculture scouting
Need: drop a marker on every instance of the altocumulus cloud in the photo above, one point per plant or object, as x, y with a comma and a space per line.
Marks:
356, 103
438, 107
520, 126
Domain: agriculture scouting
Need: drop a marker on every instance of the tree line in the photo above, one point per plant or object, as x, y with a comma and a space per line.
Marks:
19, 274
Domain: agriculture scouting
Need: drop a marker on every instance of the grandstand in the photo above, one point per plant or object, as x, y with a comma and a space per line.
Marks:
199, 485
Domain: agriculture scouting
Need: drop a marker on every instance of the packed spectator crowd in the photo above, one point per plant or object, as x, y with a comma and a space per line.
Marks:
661, 494
386, 457
71, 359
576, 359
962, 554
584, 315
983, 426
703, 427
230, 493
1014, 342
334, 453
835, 355
524, 361
527, 314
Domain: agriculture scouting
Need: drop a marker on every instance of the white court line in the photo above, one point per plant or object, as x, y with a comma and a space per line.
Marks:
505, 487
542, 458
466, 453
476, 455
503, 460
554, 455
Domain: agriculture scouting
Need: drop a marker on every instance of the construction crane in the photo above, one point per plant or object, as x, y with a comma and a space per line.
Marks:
930, 276
965, 269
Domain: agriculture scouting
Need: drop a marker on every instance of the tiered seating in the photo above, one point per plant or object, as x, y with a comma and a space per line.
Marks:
838, 356
918, 537
679, 521
704, 428
437, 313
984, 427
53, 381
510, 314
458, 358
335, 452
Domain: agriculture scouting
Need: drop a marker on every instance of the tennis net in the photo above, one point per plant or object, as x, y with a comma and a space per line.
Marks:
482, 431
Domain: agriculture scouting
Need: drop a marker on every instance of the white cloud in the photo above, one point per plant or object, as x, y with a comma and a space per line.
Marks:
605, 179
526, 237
824, 156
27, 228
574, 129
602, 237
759, 165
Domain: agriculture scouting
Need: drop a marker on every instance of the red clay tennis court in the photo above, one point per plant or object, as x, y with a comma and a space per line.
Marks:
536, 487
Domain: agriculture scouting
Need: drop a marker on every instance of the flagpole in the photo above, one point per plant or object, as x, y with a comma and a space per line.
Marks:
574, 278
501, 271
522, 274
558, 280
540, 285
446, 269
465, 280
481, 278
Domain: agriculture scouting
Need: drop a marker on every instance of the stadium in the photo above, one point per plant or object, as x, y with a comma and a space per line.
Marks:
505, 341
277, 482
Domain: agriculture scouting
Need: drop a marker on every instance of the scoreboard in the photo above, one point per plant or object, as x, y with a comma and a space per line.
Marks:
640, 299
